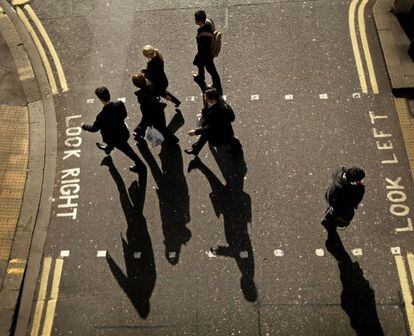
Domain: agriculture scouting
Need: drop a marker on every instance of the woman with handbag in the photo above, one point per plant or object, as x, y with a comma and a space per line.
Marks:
156, 75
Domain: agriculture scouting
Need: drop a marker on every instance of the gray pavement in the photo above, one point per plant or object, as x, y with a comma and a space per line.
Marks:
295, 286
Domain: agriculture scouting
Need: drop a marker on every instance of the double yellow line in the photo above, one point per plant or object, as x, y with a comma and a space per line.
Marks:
42, 295
365, 46
405, 286
19, 4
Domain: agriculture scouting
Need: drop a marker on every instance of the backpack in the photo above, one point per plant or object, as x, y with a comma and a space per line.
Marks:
215, 38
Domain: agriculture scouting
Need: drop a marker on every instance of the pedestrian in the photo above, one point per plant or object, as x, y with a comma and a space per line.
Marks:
115, 133
343, 196
216, 128
156, 75
204, 60
152, 110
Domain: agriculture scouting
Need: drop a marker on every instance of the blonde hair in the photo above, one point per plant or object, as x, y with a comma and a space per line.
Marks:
149, 51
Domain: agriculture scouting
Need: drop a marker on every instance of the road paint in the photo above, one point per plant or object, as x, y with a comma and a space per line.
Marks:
137, 255
64, 253
41, 296
171, 255
278, 253
410, 259
90, 101
49, 44
254, 97
320, 252
406, 293
289, 97
396, 250
211, 254
357, 252
51, 304
101, 254
244, 254
323, 96
356, 95
39, 48
355, 47
365, 47
122, 99
224, 97
226, 18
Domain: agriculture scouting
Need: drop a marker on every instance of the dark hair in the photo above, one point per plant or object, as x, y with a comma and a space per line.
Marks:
200, 15
354, 174
212, 94
139, 80
103, 94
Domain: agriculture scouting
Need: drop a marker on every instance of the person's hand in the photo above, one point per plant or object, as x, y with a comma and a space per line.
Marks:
192, 132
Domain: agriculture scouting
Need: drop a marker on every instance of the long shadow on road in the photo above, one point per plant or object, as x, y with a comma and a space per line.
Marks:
357, 297
139, 281
234, 204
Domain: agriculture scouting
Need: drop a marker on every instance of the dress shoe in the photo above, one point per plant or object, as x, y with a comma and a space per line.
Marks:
194, 164
135, 169
105, 148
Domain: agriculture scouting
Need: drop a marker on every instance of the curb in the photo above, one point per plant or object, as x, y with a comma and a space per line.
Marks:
18, 289
394, 44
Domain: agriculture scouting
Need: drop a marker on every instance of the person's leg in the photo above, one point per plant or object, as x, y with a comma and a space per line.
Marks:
125, 148
197, 146
211, 69
201, 72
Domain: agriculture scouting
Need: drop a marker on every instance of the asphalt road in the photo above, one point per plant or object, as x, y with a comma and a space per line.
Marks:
158, 277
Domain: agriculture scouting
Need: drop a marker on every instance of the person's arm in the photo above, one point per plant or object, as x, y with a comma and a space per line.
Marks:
95, 127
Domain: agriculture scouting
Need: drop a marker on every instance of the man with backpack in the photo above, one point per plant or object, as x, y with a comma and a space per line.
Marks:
216, 128
208, 47
343, 195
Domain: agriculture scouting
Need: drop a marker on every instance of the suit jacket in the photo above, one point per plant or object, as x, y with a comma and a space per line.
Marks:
203, 45
155, 73
216, 124
110, 121
151, 109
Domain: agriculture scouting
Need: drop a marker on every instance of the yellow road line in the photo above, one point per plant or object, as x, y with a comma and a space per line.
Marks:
410, 259
365, 46
51, 304
49, 45
355, 47
405, 288
39, 48
41, 297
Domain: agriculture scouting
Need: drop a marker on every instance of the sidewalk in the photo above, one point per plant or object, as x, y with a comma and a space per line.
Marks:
14, 152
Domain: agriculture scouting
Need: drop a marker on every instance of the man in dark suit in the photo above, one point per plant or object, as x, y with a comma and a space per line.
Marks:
152, 110
204, 59
216, 119
115, 134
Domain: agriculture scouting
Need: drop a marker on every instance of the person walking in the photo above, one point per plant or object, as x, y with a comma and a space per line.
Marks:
152, 110
343, 196
216, 128
204, 60
115, 133
156, 75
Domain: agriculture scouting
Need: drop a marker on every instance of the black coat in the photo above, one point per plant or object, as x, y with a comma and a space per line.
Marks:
151, 109
216, 124
110, 121
204, 54
155, 73
343, 196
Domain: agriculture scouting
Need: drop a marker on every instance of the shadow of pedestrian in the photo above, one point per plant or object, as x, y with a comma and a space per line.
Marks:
234, 204
173, 198
357, 297
139, 281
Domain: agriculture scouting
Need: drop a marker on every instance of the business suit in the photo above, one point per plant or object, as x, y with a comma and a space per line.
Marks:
110, 122
216, 128
152, 114
204, 58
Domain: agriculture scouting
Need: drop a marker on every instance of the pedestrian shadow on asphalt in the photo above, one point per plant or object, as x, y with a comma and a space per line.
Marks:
173, 197
230, 201
357, 297
139, 281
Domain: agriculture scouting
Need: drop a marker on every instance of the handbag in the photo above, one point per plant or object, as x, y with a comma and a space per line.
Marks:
153, 136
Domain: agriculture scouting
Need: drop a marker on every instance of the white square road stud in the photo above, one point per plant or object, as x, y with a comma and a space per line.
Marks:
254, 97
320, 252
357, 252
244, 254
64, 253
122, 99
224, 97
278, 253
356, 95
396, 250
137, 255
101, 254
323, 96
289, 97
171, 255
90, 101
